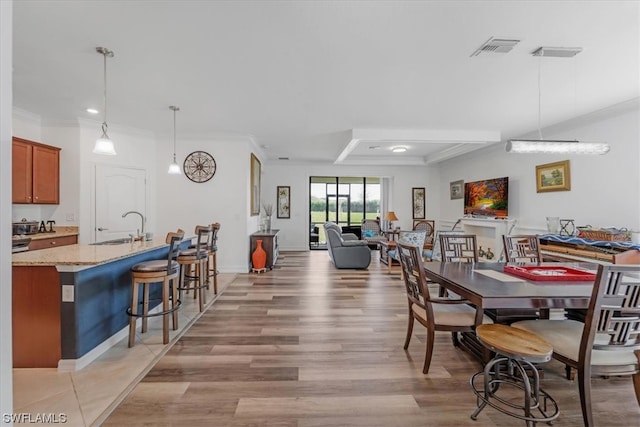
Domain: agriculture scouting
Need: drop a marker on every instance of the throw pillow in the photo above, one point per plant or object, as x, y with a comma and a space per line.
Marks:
369, 233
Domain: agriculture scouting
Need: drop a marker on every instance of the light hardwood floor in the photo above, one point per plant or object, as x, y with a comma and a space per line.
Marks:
309, 345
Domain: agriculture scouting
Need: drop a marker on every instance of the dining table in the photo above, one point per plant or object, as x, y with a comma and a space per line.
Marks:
494, 291
487, 285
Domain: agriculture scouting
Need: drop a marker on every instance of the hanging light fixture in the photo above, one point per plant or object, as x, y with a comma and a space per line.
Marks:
104, 145
532, 146
174, 168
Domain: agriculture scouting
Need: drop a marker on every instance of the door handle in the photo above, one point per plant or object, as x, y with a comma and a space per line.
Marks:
102, 229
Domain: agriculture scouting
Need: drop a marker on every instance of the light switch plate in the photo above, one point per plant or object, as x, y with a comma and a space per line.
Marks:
67, 293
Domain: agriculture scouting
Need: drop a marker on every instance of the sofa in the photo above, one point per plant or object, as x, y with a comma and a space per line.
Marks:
345, 249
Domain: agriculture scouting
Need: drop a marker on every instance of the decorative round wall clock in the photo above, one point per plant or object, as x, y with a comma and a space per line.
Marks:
199, 166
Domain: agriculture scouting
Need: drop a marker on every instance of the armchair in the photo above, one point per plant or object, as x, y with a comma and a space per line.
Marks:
371, 231
346, 250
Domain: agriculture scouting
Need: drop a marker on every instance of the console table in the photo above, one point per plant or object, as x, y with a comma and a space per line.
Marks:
269, 244
569, 248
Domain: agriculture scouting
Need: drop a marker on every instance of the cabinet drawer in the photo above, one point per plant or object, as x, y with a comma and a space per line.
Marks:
52, 242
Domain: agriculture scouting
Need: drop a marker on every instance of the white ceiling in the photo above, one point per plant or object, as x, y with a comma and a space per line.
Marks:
327, 80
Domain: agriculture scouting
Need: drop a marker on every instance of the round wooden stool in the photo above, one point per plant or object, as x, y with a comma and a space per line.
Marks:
516, 352
145, 273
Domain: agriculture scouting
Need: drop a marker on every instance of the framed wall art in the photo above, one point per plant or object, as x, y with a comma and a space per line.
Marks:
553, 177
284, 201
418, 202
456, 189
255, 185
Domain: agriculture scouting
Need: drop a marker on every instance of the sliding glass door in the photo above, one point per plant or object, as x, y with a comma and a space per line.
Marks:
343, 200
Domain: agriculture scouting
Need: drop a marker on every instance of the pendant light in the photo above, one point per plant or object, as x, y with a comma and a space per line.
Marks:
174, 168
533, 146
104, 145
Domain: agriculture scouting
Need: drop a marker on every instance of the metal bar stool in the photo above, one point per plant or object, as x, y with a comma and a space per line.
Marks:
193, 265
513, 365
156, 271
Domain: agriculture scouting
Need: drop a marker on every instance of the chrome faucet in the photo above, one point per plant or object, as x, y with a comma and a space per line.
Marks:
141, 219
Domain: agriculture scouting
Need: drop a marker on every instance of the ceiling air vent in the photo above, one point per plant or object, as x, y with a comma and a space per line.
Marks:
557, 52
283, 158
496, 46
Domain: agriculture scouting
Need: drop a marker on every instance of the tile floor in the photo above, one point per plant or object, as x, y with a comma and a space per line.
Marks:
86, 397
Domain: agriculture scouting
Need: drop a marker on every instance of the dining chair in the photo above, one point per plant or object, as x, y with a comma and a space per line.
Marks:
434, 313
459, 248
434, 254
522, 248
608, 342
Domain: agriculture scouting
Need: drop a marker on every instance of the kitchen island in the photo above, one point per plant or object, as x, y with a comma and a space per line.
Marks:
70, 302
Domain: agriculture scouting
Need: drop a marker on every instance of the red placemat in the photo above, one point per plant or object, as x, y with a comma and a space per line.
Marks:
550, 273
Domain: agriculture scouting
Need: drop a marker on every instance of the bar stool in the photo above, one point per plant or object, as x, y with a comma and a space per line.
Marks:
193, 265
516, 352
148, 272
212, 259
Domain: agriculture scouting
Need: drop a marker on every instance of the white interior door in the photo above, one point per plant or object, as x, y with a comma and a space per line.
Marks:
119, 190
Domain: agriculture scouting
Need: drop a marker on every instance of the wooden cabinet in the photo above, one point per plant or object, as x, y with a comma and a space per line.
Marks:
52, 242
36, 298
36, 172
269, 244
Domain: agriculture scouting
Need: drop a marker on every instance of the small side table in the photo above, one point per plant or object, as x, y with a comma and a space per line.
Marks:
385, 247
391, 234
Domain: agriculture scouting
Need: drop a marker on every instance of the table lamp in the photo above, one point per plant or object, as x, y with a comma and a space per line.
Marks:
390, 216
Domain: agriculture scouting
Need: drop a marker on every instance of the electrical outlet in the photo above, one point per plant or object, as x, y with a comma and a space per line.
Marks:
67, 293
70, 216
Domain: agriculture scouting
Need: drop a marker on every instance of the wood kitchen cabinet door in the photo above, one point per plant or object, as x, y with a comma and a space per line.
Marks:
21, 166
36, 172
46, 175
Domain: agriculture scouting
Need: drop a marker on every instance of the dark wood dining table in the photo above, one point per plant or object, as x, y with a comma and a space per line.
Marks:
487, 286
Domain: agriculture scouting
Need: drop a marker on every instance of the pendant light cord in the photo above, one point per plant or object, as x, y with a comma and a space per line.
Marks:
539, 99
104, 122
174, 134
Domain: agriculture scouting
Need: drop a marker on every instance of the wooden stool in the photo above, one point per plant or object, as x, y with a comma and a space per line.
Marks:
148, 272
212, 260
516, 352
193, 265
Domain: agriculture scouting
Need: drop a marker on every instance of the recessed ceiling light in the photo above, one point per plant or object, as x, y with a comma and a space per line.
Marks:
399, 149
92, 111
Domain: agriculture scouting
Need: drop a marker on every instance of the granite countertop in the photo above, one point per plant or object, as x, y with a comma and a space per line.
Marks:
84, 255
61, 231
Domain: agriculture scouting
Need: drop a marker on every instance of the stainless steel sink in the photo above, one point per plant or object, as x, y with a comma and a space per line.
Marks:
114, 241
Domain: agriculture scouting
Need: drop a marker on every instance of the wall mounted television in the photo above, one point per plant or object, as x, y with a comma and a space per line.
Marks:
487, 198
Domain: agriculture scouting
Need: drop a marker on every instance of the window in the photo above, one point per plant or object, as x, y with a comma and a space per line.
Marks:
343, 200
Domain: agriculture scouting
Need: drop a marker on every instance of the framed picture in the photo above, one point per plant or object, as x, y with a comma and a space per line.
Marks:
553, 177
255, 185
284, 201
456, 189
418, 201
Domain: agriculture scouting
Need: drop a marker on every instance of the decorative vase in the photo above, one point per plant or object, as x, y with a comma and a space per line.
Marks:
553, 224
259, 256
267, 223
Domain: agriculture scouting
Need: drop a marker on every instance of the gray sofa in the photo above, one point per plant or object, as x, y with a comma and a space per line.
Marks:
346, 250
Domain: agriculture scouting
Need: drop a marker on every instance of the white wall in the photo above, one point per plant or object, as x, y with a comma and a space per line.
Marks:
224, 198
6, 101
135, 148
294, 232
605, 190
